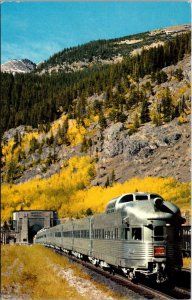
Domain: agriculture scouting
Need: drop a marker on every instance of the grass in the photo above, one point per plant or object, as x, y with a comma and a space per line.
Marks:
35, 272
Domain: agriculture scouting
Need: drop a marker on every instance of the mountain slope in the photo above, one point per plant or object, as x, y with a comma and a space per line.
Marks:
158, 145
30, 99
112, 51
70, 136
18, 66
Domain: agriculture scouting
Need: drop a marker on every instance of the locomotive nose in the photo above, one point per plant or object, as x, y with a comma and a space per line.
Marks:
158, 202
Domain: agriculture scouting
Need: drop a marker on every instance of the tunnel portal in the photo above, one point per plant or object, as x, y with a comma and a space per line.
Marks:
27, 223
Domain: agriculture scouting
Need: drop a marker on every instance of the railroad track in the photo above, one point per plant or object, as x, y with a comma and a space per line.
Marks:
144, 290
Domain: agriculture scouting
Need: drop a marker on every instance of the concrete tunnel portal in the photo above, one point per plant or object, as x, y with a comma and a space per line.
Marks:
26, 223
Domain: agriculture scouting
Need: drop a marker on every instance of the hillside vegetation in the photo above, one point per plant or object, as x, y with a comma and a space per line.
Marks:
137, 118
73, 140
31, 99
66, 192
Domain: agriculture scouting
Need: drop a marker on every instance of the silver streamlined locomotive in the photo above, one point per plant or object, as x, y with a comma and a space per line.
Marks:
138, 233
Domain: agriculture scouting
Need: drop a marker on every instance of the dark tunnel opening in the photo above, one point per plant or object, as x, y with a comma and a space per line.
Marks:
32, 232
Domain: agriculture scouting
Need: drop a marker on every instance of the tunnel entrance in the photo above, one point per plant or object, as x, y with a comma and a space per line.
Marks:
26, 223
32, 232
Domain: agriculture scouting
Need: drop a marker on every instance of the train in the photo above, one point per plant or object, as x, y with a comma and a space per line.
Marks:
138, 234
186, 240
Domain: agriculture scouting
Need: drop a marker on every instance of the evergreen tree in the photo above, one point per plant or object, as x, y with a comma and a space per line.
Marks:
107, 182
136, 123
112, 176
11, 171
144, 116
167, 106
102, 120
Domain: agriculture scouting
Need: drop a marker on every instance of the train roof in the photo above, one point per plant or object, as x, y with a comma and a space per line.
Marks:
119, 201
144, 206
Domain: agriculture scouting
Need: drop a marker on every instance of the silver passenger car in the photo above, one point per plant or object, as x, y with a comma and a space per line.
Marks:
138, 233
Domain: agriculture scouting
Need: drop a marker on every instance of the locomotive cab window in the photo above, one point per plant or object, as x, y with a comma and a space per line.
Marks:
141, 197
136, 234
158, 233
126, 198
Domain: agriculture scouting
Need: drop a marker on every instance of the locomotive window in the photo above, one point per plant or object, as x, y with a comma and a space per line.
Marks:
126, 198
141, 197
136, 234
158, 233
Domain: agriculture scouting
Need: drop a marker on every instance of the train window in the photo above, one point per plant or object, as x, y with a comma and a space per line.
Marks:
107, 235
136, 234
98, 233
158, 233
116, 233
126, 198
141, 197
57, 234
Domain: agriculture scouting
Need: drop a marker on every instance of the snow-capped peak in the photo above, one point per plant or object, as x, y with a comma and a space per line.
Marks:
18, 66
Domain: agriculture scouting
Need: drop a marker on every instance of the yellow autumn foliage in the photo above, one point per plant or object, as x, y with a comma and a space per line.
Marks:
10, 153
48, 193
7, 151
56, 124
26, 139
67, 191
97, 198
182, 119
75, 133
179, 92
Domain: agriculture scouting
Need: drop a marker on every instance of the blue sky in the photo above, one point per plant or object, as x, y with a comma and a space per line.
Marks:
37, 30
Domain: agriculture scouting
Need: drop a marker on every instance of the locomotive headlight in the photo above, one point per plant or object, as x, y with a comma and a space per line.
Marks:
158, 202
159, 251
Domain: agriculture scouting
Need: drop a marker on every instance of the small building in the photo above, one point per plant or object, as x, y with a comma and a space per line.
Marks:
26, 223
7, 236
